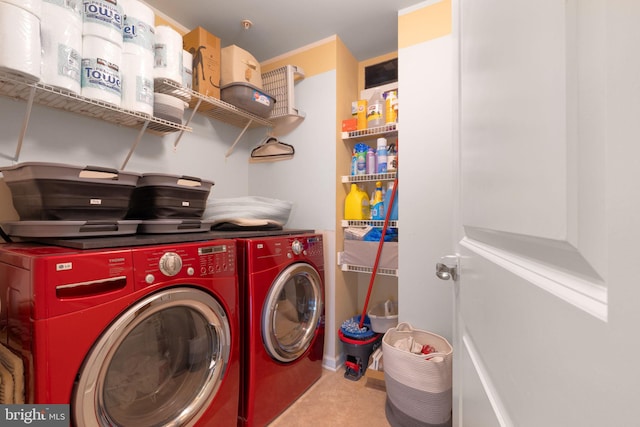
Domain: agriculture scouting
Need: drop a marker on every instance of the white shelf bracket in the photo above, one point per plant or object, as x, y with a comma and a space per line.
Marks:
193, 113
135, 144
25, 122
230, 150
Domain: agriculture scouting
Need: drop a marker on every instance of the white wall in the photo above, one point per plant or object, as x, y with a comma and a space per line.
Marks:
425, 184
62, 137
308, 180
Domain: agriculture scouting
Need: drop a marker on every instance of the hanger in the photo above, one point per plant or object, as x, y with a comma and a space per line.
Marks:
271, 150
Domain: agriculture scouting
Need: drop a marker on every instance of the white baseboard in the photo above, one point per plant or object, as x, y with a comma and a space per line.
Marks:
333, 363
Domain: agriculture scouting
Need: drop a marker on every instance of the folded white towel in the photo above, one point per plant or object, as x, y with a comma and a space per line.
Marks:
409, 344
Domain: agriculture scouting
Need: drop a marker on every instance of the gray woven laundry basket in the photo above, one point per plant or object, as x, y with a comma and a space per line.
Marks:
418, 385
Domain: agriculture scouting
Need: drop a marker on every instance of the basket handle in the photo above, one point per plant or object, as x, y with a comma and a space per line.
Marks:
404, 326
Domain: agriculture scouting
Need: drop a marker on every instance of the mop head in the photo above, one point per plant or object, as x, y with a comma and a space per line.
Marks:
351, 328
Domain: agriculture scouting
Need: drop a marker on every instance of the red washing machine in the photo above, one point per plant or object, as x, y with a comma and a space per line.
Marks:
144, 336
282, 286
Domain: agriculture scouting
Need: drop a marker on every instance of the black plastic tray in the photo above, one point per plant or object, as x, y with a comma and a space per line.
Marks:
159, 196
51, 191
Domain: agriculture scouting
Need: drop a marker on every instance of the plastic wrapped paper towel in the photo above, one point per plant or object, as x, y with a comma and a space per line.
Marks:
61, 29
31, 6
137, 82
101, 63
187, 69
139, 27
103, 18
168, 54
20, 47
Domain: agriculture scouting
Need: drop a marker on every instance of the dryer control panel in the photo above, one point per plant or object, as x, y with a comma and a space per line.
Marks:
212, 259
270, 252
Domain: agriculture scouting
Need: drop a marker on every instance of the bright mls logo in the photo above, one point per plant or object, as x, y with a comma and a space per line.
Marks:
34, 415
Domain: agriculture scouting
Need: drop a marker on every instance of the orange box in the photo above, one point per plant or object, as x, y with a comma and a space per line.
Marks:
349, 125
205, 48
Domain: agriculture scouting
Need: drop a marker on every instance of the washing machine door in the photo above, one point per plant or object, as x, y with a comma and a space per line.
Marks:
159, 364
292, 312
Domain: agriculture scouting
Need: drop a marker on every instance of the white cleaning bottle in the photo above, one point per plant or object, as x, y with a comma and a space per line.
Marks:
375, 110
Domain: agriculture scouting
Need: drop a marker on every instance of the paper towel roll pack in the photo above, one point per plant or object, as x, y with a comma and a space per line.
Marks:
168, 107
61, 29
103, 18
187, 69
138, 31
31, 6
137, 82
101, 63
168, 54
20, 47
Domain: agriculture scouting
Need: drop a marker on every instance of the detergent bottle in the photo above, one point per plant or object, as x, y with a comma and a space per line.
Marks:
377, 210
356, 205
366, 206
393, 214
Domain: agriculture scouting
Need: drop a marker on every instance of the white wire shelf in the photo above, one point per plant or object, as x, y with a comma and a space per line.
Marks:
368, 223
389, 176
363, 269
390, 129
49, 96
212, 107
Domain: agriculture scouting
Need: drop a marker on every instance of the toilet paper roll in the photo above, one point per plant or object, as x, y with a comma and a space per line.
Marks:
20, 46
61, 29
31, 6
138, 29
137, 82
168, 54
103, 18
100, 72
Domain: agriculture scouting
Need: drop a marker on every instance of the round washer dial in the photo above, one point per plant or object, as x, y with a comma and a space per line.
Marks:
297, 247
170, 264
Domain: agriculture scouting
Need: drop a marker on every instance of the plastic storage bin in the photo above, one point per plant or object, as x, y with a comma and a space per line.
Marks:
162, 196
53, 191
280, 83
248, 98
384, 316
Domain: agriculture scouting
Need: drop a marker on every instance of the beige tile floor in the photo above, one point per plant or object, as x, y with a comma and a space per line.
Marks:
336, 401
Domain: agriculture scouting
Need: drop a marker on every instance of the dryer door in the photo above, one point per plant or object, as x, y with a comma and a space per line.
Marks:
292, 312
159, 364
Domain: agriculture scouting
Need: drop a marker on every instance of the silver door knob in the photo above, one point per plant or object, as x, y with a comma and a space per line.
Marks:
448, 268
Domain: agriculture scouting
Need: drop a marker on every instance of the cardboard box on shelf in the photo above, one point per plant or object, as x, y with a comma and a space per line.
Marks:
239, 66
349, 125
205, 48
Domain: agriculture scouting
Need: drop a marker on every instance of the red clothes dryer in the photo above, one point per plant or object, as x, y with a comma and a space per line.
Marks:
282, 287
142, 336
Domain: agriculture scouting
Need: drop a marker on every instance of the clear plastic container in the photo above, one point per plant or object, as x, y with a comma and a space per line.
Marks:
375, 111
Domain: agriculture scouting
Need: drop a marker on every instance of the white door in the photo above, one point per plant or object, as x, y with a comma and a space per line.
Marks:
548, 136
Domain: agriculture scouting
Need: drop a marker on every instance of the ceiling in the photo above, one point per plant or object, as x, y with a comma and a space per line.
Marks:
368, 28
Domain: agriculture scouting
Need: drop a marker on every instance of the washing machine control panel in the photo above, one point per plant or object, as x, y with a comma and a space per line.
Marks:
211, 259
